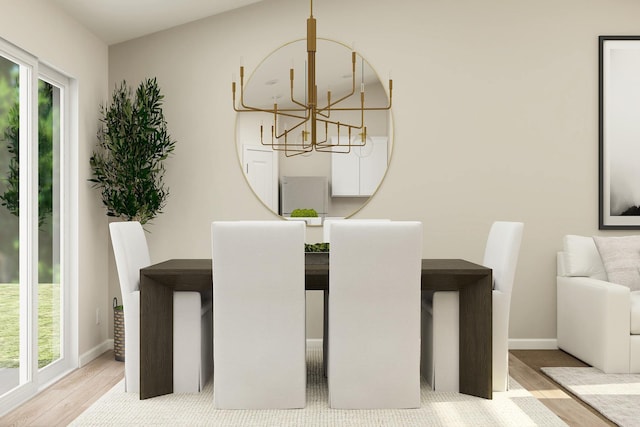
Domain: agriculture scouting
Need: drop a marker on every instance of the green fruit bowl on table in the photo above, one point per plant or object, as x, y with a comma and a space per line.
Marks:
310, 216
316, 247
304, 213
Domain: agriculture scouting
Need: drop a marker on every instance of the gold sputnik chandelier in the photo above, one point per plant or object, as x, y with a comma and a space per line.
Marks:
308, 120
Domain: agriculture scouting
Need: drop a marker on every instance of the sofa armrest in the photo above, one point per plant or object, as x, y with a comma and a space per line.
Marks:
593, 322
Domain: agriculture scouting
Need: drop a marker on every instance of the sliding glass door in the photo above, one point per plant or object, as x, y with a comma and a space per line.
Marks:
34, 294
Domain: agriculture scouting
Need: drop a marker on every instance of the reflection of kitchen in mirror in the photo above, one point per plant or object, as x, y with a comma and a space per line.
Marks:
335, 184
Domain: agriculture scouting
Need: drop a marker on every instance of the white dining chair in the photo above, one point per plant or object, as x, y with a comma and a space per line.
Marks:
326, 238
326, 225
440, 342
193, 358
374, 315
259, 314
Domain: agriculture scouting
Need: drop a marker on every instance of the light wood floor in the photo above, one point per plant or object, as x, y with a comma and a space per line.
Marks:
61, 403
68, 398
524, 367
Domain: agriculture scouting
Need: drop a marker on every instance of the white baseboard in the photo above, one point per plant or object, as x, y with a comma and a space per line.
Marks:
95, 352
533, 344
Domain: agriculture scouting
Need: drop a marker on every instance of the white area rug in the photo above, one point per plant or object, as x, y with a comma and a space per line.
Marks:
516, 407
616, 396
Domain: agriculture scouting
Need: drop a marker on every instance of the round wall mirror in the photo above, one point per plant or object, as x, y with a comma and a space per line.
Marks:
335, 185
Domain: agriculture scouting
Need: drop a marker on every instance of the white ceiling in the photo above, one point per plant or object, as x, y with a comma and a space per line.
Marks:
115, 21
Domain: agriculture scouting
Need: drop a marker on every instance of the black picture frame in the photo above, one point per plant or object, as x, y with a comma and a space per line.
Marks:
619, 133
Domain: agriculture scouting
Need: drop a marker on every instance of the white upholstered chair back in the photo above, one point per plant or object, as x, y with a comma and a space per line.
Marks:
440, 358
259, 314
501, 255
131, 254
374, 314
326, 225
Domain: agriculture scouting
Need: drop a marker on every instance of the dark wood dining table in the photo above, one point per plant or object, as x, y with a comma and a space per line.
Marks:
159, 281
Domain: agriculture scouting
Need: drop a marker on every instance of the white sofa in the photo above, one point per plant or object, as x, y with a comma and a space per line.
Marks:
598, 321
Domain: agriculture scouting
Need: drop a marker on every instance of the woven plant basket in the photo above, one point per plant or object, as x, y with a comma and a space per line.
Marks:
118, 331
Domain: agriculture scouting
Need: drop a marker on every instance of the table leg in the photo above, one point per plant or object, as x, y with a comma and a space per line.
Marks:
476, 339
156, 338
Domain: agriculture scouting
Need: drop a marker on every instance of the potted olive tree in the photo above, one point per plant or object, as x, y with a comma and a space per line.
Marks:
127, 164
133, 142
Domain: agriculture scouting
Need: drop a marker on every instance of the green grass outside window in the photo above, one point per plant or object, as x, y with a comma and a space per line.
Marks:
48, 324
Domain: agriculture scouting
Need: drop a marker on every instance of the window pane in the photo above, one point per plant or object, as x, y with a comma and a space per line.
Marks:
49, 295
9, 226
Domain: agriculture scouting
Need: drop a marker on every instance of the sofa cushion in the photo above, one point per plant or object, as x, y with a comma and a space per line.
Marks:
635, 313
621, 259
581, 258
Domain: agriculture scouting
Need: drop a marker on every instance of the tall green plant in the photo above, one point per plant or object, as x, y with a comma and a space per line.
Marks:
10, 198
133, 142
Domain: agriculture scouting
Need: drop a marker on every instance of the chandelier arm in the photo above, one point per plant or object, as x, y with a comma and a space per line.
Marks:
283, 147
331, 148
262, 139
295, 147
298, 103
243, 107
364, 109
291, 91
266, 144
326, 135
349, 144
331, 104
353, 86
248, 108
322, 114
242, 104
331, 122
296, 152
288, 112
289, 130
388, 107
278, 146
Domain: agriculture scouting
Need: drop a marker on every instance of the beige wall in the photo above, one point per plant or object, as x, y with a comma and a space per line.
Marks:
495, 109
43, 31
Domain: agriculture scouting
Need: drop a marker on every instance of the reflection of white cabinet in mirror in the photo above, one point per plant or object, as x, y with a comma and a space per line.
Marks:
359, 173
260, 166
